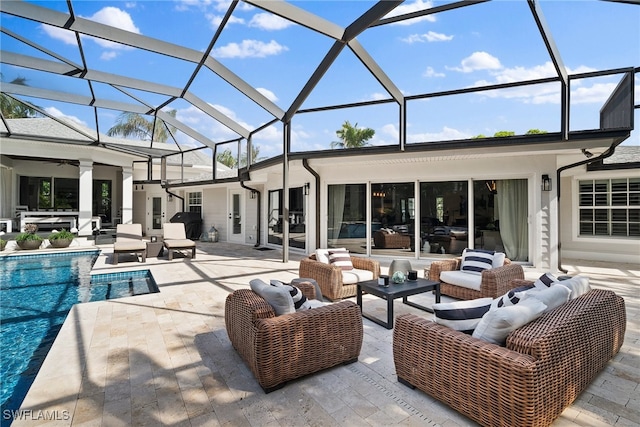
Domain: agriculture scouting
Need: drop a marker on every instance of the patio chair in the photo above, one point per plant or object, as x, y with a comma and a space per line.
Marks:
129, 240
175, 239
491, 282
280, 348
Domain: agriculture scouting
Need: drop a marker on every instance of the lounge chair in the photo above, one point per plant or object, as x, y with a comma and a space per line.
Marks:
175, 239
129, 240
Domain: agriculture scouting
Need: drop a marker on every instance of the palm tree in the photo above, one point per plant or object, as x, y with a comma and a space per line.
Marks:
12, 108
134, 124
352, 137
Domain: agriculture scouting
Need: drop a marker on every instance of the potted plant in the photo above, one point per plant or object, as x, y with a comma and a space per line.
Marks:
29, 239
61, 239
3, 243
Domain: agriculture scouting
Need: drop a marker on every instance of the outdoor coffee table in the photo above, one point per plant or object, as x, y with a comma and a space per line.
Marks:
394, 291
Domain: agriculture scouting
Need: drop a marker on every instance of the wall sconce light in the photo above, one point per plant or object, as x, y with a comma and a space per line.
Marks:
253, 194
169, 198
306, 188
136, 187
546, 183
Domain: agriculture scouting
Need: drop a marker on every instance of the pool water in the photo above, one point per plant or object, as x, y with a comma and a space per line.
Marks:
36, 294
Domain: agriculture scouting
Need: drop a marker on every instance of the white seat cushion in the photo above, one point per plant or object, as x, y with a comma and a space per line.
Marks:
350, 277
459, 278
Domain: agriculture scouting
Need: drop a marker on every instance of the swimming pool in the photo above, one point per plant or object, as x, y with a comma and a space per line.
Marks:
36, 293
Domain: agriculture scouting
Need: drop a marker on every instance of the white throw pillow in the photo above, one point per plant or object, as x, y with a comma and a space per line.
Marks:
496, 325
462, 316
552, 297
579, 285
277, 297
475, 261
498, 259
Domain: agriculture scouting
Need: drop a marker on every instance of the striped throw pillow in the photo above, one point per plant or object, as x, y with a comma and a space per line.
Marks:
299, 300
475, 261
340, 258
462, 316
513, 297
545, 281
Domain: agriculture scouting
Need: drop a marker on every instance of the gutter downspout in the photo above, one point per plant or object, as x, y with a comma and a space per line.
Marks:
258, 232
305, 163
602, 156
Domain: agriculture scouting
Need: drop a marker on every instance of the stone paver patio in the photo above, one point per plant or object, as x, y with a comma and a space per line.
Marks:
165, 358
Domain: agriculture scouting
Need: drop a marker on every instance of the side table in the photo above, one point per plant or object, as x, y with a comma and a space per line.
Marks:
155, 249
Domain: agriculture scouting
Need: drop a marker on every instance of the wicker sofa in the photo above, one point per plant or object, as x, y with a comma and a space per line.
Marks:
281, 348
495, 282
335, 283
385, 240
541, 370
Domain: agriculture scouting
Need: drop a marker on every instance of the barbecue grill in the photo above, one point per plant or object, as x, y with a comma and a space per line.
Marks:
192, 223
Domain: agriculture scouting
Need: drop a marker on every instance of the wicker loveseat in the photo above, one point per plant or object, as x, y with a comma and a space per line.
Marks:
278, 349
494, 282
335, 283
541, 370
391, 240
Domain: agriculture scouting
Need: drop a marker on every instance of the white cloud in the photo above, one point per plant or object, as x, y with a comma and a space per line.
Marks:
446, 134
377, 96
478, 61
109, 16
430, 72
108, 55
269, 21
548, 93
268, 94
413, 7
183, 5
65, 36
597, 93
249, 49
430, 36
216, 20
53, 111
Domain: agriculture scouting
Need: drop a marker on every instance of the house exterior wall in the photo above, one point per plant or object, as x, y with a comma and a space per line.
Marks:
592, 248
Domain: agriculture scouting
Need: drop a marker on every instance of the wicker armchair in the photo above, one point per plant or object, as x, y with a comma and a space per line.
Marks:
278, 349
495, 282
330, 278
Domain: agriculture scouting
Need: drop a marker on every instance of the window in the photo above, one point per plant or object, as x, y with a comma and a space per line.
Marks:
194, 202
347, 219
609, 207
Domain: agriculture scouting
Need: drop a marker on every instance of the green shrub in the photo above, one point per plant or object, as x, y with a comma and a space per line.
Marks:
62, 234
22, 237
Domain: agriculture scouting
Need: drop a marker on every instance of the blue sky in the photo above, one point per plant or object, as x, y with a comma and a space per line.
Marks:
493, 42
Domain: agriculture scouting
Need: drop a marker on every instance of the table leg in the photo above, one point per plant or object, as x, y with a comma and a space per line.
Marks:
389, 313
359, 296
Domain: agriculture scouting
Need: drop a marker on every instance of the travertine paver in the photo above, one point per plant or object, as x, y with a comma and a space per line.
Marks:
165, 358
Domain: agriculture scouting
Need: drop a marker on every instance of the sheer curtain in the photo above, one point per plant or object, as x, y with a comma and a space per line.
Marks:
336, 210
5, 183
513, 211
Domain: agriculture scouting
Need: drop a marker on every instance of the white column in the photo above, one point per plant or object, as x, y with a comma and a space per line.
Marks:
85, 198
127, 195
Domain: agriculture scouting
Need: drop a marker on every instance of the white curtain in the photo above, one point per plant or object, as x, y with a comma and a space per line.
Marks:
513, 211
5, 192
336, 209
